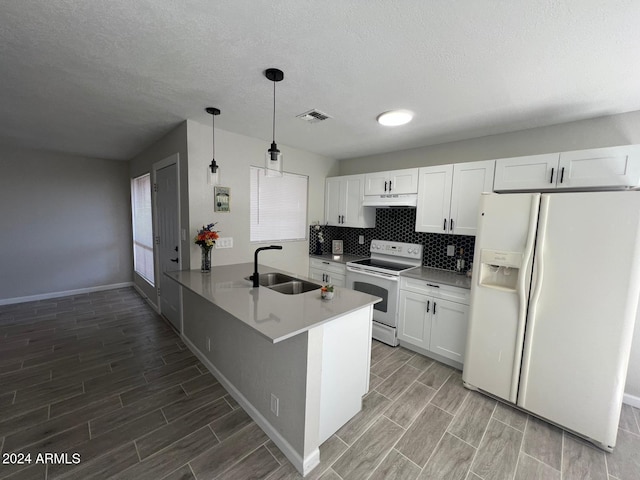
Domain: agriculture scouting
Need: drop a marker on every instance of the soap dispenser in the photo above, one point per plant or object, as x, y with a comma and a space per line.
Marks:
460, 262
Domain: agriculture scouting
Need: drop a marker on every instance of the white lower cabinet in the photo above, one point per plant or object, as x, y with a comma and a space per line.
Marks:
434, 317
326, 272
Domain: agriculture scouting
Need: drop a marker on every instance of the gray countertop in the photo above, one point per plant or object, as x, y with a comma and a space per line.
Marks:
436, 275
275, 315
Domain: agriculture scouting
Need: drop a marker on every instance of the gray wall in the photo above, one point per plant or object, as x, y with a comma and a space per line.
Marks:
608, 131
66, 223
173, 142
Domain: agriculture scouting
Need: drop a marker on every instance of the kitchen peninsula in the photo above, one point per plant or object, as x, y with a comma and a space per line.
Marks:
297, 364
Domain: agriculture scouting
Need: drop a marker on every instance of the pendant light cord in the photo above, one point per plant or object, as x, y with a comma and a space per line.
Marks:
213, 136
274, 112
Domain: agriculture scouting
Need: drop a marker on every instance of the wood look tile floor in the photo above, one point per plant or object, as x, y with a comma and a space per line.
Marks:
101, 375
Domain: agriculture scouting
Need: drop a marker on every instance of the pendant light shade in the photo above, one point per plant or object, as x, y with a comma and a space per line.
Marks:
213, 171
273, 157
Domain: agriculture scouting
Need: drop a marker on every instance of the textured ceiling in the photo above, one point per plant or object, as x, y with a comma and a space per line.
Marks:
107, 79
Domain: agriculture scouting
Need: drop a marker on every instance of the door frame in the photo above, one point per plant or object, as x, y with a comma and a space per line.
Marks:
165, 162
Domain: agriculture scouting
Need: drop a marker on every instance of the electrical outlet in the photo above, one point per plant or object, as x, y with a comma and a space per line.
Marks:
451, 250
275, 405
360, 239
208, 344
224, 242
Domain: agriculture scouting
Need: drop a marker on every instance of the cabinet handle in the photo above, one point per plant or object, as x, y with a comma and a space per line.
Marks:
434, 307
444, 225
342, 218
385, 186
389, 185
428, 302
551, 179
451, 221
432, 285
562, 175
326, 263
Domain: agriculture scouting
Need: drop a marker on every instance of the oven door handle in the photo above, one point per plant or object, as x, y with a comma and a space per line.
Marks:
393, 278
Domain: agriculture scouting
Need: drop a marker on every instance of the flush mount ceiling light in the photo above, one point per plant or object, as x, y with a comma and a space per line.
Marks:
213, 176
273, 158
394, 118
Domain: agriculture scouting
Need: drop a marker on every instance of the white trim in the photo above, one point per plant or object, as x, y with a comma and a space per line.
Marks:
303, 465
631, 400
66, 293
145, 297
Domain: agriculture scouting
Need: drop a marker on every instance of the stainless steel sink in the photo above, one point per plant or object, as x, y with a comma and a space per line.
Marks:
294, 287
286, 284
272, 278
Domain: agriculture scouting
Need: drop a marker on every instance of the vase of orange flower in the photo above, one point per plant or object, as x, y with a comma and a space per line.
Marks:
206, 238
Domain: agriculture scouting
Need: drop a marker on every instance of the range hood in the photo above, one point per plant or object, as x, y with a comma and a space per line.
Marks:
386, 201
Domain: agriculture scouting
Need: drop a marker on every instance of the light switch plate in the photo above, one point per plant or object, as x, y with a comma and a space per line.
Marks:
360, 239
451, 250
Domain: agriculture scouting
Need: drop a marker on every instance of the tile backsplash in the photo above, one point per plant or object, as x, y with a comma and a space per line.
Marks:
398, 225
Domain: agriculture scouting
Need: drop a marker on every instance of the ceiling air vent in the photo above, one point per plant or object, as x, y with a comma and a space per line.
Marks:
313, 116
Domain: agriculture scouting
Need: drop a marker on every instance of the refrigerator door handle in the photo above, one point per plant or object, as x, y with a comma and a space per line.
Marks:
535, 296
522, 294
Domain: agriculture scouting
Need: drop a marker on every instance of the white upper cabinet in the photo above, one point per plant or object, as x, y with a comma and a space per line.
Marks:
392, 182
343, 203
600, 167
534, 172
448, 196
597, 168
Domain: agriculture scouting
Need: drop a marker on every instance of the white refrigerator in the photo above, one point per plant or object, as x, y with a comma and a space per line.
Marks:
554, 296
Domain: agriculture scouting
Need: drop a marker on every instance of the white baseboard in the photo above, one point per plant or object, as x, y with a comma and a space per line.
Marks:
146, 298
631, 400
46, 296
303, 465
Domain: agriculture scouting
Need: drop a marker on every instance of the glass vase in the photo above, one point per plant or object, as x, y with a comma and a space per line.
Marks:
205, 265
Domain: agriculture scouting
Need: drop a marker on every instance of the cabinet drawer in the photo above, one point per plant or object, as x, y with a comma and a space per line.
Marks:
436, 290
332, 267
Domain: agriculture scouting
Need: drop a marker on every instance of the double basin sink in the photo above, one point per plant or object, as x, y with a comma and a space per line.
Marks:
286, 284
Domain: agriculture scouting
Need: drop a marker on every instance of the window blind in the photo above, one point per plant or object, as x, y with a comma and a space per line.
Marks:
278, 206
142, 227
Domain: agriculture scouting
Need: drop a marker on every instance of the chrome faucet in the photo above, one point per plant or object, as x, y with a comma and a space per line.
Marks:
256, 276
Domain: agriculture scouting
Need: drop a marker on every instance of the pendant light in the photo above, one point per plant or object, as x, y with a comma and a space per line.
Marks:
273, 157
213, 175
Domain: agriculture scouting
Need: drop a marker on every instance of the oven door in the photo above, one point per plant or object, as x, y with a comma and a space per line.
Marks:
381, 285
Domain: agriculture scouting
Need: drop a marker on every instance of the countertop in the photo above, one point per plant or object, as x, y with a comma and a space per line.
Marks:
274, 315
436, 275
337, 258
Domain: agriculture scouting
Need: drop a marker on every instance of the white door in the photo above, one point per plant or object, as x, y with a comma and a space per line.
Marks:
434, 199
332, 201
600, 167
582, 312
449, 329
376, 183
495, 338
168, 233
534, 172
414, 323
403, 181
469, 181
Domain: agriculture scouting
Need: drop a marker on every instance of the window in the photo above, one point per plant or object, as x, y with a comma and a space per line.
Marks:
142, 227
278, 206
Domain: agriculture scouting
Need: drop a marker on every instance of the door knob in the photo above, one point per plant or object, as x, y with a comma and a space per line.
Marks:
177, 259
176, 248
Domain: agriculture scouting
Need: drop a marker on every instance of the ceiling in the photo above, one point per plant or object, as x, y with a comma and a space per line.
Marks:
107, 79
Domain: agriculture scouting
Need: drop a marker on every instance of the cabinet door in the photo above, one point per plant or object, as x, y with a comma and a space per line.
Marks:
414, 323
318, 275
449, 329
534, 172
332, 195
469, 181
336, 279
355, 215
434, 199
403, 181
376, 183
600, 167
